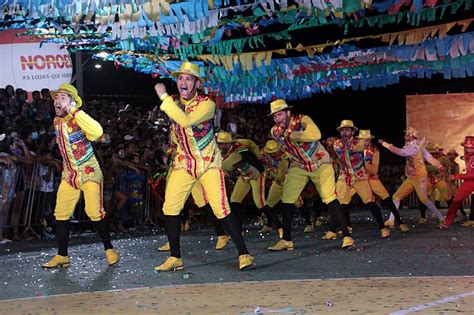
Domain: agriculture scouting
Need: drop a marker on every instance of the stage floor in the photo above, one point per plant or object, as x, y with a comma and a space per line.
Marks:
425, 270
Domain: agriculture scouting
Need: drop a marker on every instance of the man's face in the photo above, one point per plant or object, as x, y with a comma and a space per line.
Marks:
409, 138
451, 157
223, 146
61, 100
346, 132
366, 143
187, 85
281, 118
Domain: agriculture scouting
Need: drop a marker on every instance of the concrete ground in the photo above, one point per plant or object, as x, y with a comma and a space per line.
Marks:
425, 270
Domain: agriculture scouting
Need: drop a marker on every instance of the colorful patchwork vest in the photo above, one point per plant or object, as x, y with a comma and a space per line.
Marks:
79, 162
272, 164
308, 156
352, 163
369, 154
197, 149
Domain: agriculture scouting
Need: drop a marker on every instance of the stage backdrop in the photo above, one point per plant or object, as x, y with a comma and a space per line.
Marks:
28, 66
443, 118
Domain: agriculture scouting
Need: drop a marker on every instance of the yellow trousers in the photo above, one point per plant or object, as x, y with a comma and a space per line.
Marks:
379, 189
418, 184
68, 197
199, 195
346, 192
242, 188
297, 178
275, 193
441, 190
180, 184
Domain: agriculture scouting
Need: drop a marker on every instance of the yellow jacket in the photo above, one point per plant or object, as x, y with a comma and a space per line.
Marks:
249, 168
74, 134
197, 149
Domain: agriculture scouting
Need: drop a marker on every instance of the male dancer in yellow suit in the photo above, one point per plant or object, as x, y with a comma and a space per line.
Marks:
372, 162
243, 156
200, 200
299, 137
197, 159
353, 177
75, 131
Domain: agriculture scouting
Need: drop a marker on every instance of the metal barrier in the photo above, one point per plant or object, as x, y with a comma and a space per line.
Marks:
23, 205
18, 196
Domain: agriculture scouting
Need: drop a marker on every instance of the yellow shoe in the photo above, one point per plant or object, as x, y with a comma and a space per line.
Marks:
266, 229
164, 248
280, 233
222, 242
57, 261
185, 226
245, 261
282, 245
421, 221
404, 227
329, 236
309, 228
347, 242
469, 223
349, 228
112, 256
385, 232
171, 264
318, 222
389, 223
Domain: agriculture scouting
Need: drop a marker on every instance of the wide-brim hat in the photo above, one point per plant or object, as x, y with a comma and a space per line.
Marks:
271, 146
70, 90
277, 106
365, 134
188, 68
347, 123
224, 137
432, 147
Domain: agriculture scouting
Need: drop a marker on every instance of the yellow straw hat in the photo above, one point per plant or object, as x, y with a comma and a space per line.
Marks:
188, 68
365, 134
277, 106
69, 90
224, 137
271, 147
347, 124
432, 147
